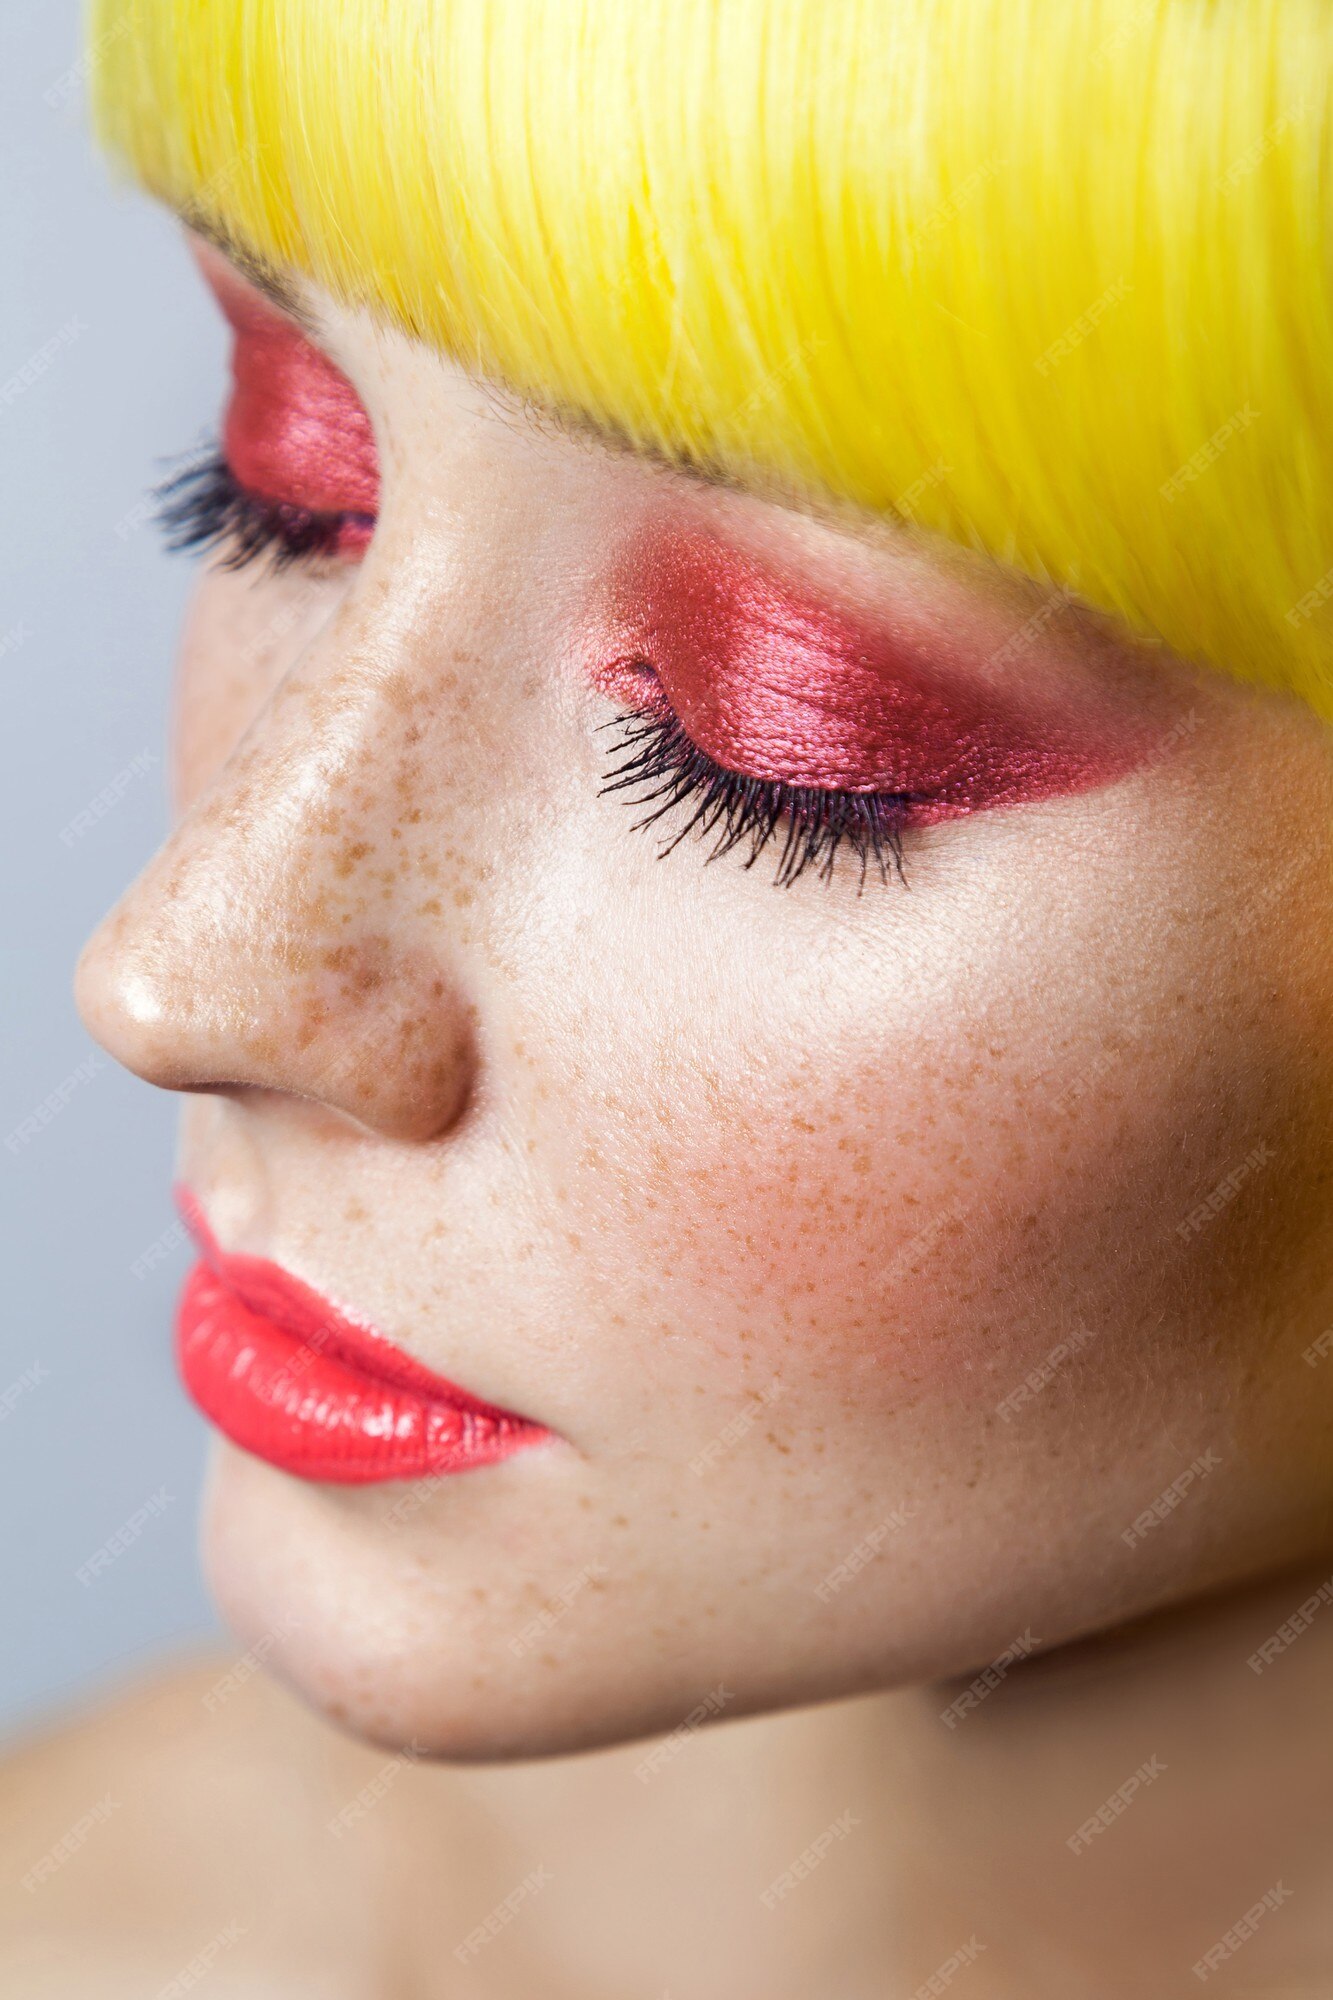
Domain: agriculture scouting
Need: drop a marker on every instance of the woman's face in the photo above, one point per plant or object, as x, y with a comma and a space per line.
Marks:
907, 1274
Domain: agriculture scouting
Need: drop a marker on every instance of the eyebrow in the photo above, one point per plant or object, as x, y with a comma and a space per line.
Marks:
574, 424
580, 428
276, 286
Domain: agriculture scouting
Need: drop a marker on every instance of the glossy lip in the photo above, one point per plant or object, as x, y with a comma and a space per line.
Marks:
296, 1381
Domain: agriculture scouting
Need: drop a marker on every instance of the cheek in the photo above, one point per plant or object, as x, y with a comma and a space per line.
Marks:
875, 1224
881, 1174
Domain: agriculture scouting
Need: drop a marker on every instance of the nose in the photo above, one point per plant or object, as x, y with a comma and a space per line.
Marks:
269, 945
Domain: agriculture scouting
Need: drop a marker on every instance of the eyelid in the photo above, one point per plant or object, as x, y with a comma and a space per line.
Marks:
779, 684
295, 430
203, 507
812, 825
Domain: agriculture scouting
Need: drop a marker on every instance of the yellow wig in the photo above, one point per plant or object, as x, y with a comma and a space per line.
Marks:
1051, 277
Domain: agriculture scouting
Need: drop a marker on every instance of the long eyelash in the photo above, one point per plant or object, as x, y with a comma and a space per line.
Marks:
202, 507
814, 823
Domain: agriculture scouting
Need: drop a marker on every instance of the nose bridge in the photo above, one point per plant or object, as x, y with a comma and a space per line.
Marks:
269, 944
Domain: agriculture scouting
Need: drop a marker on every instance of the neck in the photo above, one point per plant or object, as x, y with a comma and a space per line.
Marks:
1144, 1814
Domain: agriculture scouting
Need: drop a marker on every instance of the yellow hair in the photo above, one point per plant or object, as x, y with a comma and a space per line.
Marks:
1051, 277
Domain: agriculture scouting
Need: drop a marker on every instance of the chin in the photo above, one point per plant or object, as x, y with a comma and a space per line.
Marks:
544, 1607
455, 1649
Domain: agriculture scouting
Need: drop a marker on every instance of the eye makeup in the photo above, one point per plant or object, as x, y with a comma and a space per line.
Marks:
772, 711
296, 434
775, 685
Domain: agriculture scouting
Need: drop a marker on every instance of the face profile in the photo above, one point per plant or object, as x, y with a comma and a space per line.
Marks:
746, 947
801, 1156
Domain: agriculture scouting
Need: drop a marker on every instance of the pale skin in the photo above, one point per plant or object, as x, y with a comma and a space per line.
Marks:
663, 1155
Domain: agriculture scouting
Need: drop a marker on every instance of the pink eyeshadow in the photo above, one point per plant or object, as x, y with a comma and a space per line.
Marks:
772, 683
295, 432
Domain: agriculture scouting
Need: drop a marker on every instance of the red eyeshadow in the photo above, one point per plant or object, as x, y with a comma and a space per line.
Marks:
773, 683
295, 431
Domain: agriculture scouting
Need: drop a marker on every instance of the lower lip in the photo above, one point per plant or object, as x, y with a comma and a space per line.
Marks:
291, 1379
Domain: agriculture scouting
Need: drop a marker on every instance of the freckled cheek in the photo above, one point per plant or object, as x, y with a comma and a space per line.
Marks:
869, 1237
759, 1234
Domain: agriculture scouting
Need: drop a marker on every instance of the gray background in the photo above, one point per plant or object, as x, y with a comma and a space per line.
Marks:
89, 605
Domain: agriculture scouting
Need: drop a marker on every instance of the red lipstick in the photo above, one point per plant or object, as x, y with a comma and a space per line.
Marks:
297, 1381
772, 682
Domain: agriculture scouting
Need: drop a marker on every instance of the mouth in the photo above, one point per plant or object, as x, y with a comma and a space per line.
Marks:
295, 1380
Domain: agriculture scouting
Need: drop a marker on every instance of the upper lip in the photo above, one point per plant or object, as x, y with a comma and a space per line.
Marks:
287, 1301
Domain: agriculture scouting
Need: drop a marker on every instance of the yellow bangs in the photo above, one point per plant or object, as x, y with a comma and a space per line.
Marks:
1051, 277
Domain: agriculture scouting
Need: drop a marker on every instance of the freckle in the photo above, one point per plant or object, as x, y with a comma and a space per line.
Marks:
347, 860
463, 899
312, 1021
432, 907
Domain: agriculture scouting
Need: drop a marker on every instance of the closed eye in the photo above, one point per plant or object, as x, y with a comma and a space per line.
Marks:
203, 506
658, 765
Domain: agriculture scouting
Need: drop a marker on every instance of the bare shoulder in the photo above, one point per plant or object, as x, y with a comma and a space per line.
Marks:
188, 1825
